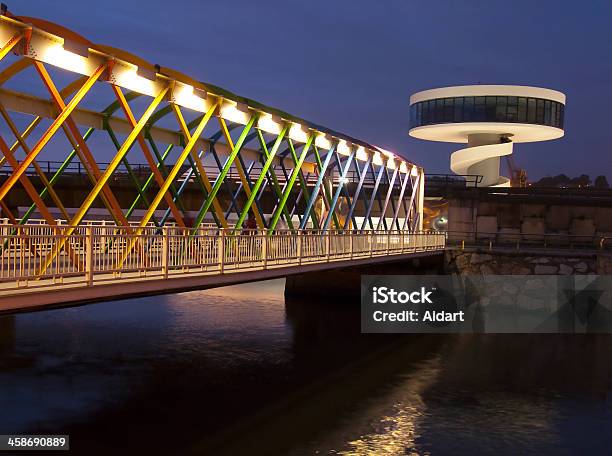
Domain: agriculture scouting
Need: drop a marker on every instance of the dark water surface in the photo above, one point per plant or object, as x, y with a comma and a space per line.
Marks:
237, 370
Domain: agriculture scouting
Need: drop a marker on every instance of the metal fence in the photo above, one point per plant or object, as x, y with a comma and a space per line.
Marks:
142, 171
522, 241
453, 180
40, 255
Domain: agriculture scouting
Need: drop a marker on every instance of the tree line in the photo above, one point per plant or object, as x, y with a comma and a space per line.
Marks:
562, 180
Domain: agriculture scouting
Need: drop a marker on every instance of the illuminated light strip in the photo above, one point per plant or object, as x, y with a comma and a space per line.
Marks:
343, 148
297, 133
234, 112
392, 159
57, 55
323, 141
270, 124
187, 96
363, 155
127, 76
377, 159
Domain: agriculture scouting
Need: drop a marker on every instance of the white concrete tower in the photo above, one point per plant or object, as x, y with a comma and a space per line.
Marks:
489, 118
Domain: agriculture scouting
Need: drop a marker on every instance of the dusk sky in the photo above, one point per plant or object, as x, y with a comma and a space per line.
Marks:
351, 65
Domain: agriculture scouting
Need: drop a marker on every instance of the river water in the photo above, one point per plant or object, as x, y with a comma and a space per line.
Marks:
237, 370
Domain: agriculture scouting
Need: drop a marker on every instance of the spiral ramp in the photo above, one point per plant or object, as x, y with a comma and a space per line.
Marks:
482, 160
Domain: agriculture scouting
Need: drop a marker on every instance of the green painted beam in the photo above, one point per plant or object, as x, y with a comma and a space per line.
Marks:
325, 167
303, 186
219, 181
289, 187
269, 160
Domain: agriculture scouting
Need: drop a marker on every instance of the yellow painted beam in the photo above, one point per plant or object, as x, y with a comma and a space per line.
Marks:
57, 123
39, 171
169, 179
85, 155
148, 156
104, 178
10, 44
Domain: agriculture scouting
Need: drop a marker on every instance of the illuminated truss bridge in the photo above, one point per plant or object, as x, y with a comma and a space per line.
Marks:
186, 156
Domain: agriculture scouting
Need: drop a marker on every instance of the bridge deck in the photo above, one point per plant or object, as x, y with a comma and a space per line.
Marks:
109, 263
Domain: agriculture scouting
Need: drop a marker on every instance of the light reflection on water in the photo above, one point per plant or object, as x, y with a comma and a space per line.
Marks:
235, 370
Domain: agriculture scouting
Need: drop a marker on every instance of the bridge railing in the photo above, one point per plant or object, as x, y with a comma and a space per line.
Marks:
34, 256
143, 170
522, 241
453, 180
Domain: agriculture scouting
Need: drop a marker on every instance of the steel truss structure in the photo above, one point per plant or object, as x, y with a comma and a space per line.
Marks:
318, 179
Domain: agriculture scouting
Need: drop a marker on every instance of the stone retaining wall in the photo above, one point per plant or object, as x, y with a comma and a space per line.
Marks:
471, 262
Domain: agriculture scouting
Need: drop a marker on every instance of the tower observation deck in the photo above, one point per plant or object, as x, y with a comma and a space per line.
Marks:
490, 119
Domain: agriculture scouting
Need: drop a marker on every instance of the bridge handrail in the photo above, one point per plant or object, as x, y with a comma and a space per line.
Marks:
518, 241
95, 254
464, 180
142, 170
